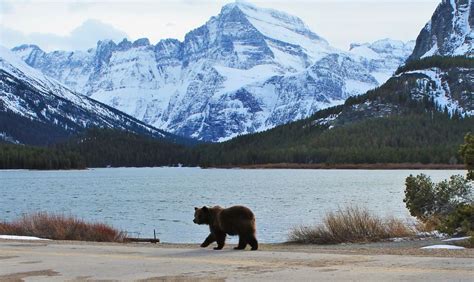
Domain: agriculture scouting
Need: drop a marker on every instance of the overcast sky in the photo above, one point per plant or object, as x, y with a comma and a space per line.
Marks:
73, 25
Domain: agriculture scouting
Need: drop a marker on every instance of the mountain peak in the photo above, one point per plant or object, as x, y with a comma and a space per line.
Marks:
241, 5
26, 46
265, 16
277, 27
141, 42
108, 43
450, 32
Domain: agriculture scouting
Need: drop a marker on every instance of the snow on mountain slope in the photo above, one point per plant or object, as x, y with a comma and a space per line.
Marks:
29, 100
449, 32
447, 93
383, 57
245, 70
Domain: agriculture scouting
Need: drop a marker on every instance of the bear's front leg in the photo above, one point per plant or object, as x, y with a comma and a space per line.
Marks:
220, 238
209, 240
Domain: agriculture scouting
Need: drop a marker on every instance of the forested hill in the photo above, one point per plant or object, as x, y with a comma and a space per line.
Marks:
419, 115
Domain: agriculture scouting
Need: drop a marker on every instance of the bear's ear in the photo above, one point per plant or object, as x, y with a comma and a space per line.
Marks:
205, 209
195, 208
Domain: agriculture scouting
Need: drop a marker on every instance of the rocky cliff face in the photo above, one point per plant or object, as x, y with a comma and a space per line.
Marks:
449, 32
246, 70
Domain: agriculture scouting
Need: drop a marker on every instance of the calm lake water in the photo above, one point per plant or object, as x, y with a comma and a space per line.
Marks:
142, 199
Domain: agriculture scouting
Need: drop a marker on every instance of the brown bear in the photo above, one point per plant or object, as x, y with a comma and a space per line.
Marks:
236, 220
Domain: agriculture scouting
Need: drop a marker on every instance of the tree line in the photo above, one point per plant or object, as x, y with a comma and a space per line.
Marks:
13, 156
440, 62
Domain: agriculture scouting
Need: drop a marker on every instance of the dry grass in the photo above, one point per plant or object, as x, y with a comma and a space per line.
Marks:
61, 227
351, 225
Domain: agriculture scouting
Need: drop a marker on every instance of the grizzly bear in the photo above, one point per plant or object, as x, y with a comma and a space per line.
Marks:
236, 220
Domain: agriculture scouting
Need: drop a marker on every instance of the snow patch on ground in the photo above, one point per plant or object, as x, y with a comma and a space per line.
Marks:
446, 247
432, 234
25, 238
457, 239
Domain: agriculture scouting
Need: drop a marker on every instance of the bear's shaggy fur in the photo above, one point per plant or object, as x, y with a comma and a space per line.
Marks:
236, 220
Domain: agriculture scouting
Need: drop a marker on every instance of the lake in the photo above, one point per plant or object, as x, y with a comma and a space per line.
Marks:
139, 200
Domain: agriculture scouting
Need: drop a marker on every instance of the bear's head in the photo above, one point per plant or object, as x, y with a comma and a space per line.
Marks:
201, 215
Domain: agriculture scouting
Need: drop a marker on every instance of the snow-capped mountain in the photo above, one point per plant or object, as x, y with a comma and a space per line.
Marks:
449, 32
35, 109
246, 70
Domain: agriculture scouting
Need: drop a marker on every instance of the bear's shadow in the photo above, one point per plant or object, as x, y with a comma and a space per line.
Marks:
207, 252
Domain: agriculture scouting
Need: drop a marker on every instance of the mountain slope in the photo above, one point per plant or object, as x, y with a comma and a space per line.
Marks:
35, 109
449, 32
245, 70
419, 115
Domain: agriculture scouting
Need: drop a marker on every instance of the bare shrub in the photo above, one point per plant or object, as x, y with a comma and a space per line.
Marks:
351, 225
61, 227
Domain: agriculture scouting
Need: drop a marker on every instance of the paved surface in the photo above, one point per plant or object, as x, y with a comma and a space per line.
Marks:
43, 261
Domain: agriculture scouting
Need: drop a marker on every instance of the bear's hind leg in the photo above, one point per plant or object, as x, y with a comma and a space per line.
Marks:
253, 242
242, 243
220, 238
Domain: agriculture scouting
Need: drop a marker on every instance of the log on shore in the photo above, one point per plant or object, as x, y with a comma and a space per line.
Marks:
142, 240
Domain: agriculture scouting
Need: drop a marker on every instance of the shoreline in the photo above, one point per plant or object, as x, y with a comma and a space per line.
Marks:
379, 166
401, 248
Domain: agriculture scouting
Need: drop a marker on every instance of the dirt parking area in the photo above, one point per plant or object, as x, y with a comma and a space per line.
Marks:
79, 261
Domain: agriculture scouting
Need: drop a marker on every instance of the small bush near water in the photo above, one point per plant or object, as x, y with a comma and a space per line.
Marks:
351, 225
425, 199
60, 227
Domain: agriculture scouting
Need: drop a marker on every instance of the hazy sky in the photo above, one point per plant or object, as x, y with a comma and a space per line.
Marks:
73, 25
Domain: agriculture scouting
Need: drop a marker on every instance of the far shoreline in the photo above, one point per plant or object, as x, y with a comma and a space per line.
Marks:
378, 166
296, 166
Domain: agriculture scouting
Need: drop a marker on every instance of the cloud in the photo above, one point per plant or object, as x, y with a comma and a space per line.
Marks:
83, 37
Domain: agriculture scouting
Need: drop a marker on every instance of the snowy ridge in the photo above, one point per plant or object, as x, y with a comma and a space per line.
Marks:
245, 70
16, 67
29, 94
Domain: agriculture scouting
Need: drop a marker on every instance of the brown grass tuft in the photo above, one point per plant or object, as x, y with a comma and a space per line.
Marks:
351, 225
61, 227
